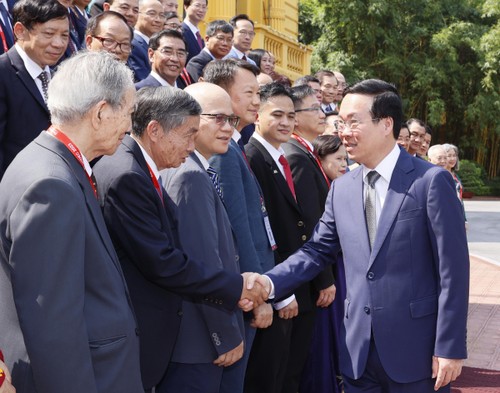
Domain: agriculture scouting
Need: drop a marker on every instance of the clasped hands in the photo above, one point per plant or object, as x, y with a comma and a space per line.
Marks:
256, 290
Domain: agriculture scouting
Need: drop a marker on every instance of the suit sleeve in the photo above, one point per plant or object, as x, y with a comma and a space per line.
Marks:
450, 248
234, 198
48, 260
199, 236
133, 219
3, 120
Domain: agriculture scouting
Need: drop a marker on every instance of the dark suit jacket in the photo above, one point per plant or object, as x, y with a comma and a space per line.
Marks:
153, 82
311, 190
192, 45
287, 220
205, 234
143, 228
243, 201
67, 321
197, 64
411, 290
138, 61
23, 112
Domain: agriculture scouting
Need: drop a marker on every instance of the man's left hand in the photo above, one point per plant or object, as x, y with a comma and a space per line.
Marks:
445, 370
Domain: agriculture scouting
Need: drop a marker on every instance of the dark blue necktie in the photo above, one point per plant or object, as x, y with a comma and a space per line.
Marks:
214, 176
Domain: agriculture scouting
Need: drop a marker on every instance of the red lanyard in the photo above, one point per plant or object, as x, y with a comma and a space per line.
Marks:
74, 150
155, 183
304, 143
4, 41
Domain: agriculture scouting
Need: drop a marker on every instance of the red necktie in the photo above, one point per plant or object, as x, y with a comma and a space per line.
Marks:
288, 175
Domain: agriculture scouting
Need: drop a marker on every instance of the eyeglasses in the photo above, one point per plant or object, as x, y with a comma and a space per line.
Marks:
111, 44
173, 25
251, 34
353, 125
154, 15
169, 52
227, 40
221, 119
311, 109
199, 6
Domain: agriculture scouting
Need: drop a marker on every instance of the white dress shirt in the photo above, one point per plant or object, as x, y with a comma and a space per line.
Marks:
33, 68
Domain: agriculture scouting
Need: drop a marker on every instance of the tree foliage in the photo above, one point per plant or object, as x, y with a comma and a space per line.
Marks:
444, 57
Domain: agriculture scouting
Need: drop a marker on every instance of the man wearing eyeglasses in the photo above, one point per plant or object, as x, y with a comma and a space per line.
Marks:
219, 39
210, 339
109, 32
150, 21
167, 54
195, 13
243, 36
328, 84
128, 8
417, 134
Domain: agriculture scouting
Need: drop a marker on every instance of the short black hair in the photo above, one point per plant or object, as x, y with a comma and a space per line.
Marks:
326, 144
94, 23
223, 72
32, 12
218, 25
306, 80
274, 89
386, 100
187, 3
321, 74
154, 41
238, 17
299, 93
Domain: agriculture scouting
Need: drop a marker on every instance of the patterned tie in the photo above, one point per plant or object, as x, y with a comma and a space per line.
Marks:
214, 176
45, 84
370, 202
199, 39
288, 175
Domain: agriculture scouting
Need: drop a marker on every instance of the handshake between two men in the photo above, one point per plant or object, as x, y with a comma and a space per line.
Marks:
256, 290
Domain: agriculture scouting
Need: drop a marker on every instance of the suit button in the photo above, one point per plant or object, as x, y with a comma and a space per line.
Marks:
370, 275
304, 238
367, 310
137, 331
300, 223
180, 313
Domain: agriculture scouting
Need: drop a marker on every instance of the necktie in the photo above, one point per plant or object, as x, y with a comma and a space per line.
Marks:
328, 109
45, 84
214, 176
370, 201
244, 58
199, 39
288, 175
7, 24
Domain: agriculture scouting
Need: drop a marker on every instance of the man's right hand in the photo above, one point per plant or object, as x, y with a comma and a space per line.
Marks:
263, 316
255, 291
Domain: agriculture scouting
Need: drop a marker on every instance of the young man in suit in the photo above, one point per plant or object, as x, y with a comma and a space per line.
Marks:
407, 273
209, 340
150, 21
195, 13
67, 318
243, 199
167, 55
142, 221
417, 130
25, 73
243, 36
219, 38
270, 354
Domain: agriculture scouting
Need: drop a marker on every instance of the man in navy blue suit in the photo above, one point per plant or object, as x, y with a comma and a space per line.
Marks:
195, 13
400, 227
23, 109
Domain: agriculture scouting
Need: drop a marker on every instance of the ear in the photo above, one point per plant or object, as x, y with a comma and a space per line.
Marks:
96, 114
105, 6
20, 31
88, 41
389, 126
154, 130
151, 55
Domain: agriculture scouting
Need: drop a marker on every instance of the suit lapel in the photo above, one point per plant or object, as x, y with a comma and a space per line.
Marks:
401, 180
312, 159
22, 73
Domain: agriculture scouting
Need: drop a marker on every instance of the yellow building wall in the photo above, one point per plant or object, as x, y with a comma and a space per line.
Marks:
276, 28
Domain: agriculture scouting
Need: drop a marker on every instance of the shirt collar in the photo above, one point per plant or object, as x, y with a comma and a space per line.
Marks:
143, 36
275, 153
192, 27
386, 167
208, 51
239, 53
236, 135
33, 69
203, 160
149, 160
162, 81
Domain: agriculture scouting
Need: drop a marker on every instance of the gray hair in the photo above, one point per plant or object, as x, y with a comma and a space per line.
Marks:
85, 79
167, 105
447, 148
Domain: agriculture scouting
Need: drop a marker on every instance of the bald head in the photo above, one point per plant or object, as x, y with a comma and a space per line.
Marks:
217, 120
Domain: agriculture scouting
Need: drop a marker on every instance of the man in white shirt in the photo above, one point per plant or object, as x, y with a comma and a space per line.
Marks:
195, 13
243, 36
329, 84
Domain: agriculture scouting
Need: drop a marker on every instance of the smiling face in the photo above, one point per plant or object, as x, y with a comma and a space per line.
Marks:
417, 134
196, 11
276, 120
335, 164
128, 8
266, 63
329, 89
310, 122
115, 30
169, 59
151, 17
404, 138
244, 93
44, 43
219, 44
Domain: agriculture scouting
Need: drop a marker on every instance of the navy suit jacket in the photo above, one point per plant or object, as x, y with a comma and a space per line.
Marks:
143, 228
138, 61
192, 45
197, 64
244, 205
23, 112
205, 234
411, 291
153, 82
67, 319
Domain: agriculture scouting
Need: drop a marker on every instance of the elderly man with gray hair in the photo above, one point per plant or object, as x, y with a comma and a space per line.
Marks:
67, 323
142, 220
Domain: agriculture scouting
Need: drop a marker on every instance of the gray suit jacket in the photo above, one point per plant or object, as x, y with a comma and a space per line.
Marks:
67, 322
205, 233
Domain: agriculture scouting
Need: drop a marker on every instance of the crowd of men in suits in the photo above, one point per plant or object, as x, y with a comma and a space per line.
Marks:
166, 225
